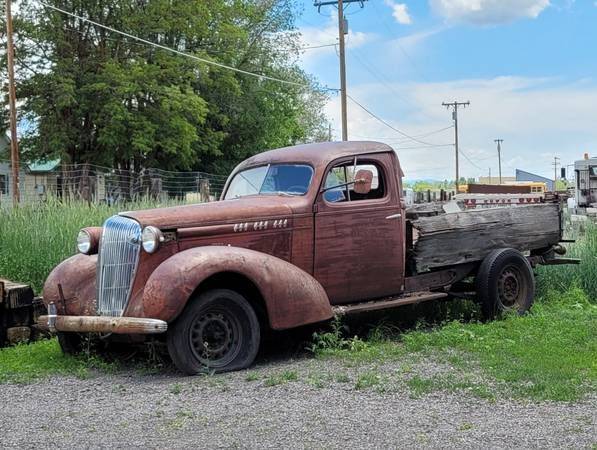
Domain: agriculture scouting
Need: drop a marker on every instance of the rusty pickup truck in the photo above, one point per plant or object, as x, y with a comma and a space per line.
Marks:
299, 235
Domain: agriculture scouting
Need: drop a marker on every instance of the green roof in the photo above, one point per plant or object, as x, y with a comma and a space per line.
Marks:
43, 166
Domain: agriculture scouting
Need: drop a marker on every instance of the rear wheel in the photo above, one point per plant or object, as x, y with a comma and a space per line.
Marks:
505, 282
218, 331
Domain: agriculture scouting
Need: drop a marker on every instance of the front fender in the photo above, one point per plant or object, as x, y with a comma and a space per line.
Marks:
292, 297
76, 275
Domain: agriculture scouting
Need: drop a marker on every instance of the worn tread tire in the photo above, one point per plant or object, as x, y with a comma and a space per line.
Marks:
178, 336
487, 280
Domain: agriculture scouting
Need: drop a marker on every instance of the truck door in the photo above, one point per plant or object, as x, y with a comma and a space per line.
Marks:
359, 237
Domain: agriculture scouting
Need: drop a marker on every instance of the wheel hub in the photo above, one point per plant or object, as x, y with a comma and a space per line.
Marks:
509, 287
212, 337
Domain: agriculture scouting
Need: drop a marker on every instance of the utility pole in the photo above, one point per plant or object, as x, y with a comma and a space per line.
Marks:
454, 105
12, 104
342, 31
330, 132
490, 175
556, 163
499, 148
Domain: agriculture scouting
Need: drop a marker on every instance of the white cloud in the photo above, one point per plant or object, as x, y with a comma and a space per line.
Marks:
538, 119
412, 40
400, 12
487, 12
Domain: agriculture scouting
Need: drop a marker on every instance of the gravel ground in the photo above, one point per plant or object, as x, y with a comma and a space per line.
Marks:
304, 403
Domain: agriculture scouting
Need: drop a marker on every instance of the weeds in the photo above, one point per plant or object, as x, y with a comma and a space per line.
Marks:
34, 238
549, 354
284, 377
27, 363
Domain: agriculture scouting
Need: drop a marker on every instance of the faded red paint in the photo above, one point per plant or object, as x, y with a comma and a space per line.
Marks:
301, 253
292, 297
76, 277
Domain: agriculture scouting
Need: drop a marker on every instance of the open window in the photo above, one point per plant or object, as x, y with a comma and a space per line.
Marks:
347, 182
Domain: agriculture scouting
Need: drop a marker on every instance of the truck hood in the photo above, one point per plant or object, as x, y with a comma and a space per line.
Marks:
246, 208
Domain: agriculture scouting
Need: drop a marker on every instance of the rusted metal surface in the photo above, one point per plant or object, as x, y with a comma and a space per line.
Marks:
359, 245
298, 254
241, 210
498, 189
388, 303
291, 296
76, 278
103, 324
438, 279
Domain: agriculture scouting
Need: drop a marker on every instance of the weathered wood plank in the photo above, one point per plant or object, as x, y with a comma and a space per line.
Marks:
467, 236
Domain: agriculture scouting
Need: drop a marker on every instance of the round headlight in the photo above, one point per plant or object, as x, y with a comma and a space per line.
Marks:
151, 238
84, 242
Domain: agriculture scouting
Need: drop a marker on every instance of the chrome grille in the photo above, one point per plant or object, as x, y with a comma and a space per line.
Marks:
118, 258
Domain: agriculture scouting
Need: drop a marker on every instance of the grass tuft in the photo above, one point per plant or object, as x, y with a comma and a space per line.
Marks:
28, 363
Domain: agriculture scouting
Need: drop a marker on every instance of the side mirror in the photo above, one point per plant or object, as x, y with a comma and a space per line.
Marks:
362, 182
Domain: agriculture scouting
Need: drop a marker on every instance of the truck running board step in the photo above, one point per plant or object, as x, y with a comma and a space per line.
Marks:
387, 303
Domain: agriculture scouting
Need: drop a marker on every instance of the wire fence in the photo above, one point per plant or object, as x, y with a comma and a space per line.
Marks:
98, 184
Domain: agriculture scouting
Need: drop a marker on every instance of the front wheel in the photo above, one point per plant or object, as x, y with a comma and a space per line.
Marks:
71, 343
217, 331
505, 282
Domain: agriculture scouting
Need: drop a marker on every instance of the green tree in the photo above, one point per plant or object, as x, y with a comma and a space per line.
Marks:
97, 96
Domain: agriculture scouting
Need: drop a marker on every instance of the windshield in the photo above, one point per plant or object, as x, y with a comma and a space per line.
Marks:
289, 179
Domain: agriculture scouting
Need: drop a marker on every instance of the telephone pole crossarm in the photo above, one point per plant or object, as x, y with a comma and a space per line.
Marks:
328, 3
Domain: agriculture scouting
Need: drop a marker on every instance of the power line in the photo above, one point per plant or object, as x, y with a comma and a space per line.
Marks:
342, 31
178, 52
412, 138
424, 146
378, 74
470, 160
402, 140
317, 46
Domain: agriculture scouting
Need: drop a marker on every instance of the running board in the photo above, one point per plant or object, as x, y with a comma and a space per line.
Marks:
387, 303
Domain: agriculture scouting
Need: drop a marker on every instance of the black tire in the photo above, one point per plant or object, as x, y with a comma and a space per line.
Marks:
505, 282
221, 318
70, 343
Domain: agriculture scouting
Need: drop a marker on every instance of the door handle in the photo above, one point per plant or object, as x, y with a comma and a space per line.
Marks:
394, 216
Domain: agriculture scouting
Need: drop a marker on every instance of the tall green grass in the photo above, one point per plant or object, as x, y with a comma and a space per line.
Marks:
34, 238
584, 275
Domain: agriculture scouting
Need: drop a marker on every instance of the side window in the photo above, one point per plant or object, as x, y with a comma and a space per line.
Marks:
3, 184
339, 178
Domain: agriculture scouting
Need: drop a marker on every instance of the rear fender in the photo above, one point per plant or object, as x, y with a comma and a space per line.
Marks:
292, 297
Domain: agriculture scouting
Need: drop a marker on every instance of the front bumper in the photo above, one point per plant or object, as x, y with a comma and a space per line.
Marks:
102, 324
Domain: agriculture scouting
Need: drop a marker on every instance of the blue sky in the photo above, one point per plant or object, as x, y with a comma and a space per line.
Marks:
527, 66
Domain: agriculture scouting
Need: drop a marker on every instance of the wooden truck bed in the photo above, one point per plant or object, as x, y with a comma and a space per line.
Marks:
448, 239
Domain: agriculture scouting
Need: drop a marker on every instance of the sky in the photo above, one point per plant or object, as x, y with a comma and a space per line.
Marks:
526, 66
